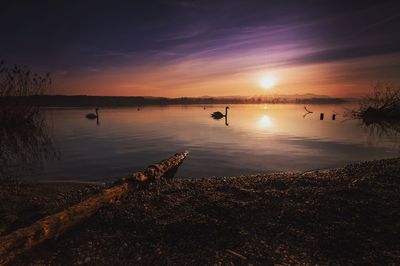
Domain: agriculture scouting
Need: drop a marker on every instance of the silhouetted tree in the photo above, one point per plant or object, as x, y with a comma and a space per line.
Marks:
16, 83
382, 103
24, 136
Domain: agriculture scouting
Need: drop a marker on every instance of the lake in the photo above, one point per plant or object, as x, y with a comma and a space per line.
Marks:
257, 139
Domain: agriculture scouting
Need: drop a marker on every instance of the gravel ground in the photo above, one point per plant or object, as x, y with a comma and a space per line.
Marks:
341, 216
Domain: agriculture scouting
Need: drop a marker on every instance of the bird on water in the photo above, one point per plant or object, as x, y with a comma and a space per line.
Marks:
219, 115
93, 116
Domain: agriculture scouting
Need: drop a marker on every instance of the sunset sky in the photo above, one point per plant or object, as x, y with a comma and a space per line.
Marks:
178, 48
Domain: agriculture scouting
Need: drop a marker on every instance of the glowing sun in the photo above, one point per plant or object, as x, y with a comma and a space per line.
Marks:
267, 82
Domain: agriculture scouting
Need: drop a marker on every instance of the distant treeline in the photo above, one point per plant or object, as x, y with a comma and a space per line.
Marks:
322, 100
83, 100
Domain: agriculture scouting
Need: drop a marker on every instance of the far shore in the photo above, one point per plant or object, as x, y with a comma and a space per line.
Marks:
137, 101
348, 215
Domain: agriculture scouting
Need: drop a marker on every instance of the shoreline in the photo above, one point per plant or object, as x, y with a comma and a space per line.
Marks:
331, 216
135, 101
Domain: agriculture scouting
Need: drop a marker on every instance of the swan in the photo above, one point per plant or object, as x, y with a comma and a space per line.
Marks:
219, 115
93, 116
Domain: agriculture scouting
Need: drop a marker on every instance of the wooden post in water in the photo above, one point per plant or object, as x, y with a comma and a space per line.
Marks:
54, 225
321, 116
334, 117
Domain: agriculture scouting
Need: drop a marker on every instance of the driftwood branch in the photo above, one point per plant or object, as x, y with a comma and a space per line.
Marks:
308, 111
54, 225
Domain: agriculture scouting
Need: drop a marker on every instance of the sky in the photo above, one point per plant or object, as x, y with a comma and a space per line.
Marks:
177, 48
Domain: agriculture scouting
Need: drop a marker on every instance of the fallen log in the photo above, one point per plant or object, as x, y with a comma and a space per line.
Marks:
54, 225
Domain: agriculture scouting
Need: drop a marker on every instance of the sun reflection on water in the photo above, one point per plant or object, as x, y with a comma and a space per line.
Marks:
265, 122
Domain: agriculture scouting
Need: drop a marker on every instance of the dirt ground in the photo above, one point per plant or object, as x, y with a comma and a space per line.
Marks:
340, 216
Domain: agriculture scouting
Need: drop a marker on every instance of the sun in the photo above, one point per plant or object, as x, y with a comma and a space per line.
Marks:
267, 82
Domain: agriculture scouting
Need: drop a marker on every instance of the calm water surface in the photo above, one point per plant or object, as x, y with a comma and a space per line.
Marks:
258, 139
